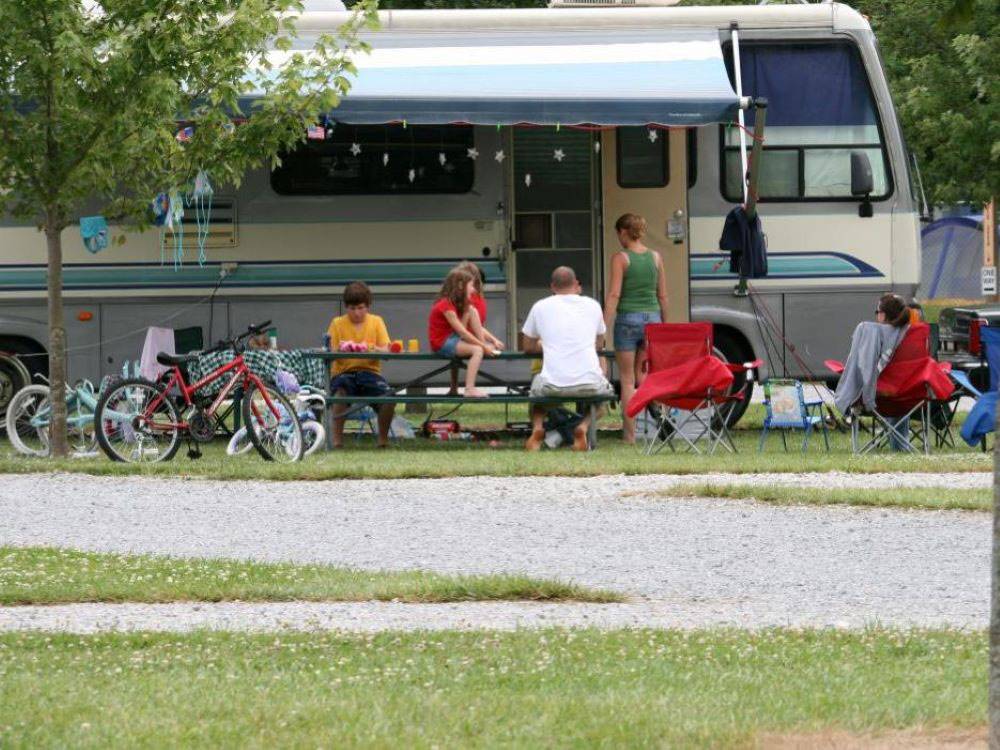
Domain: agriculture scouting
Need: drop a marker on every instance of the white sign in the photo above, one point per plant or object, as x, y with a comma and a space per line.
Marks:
989, 280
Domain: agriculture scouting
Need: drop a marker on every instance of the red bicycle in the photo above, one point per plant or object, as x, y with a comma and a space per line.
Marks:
139, 421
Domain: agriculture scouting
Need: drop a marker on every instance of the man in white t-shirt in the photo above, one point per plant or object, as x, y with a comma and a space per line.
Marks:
568, 330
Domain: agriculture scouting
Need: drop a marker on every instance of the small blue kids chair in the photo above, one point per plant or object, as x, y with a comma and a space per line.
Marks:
787, 409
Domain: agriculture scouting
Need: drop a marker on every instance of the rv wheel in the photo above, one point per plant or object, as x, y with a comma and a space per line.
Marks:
731, 348
13, 377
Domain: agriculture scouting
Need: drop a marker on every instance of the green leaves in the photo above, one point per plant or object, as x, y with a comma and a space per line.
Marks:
941, 62
90, 102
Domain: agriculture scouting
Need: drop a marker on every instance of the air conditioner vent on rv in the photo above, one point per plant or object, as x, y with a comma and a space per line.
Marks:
611, 3
221, 223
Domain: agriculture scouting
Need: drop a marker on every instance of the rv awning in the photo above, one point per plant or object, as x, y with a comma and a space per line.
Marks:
559, 76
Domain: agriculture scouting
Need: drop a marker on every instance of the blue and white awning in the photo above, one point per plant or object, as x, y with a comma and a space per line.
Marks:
544, 77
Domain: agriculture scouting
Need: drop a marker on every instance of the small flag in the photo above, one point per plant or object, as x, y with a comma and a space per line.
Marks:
316, 133
185, 134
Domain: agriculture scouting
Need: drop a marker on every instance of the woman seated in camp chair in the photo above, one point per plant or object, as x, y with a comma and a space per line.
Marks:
872, 347
891, 372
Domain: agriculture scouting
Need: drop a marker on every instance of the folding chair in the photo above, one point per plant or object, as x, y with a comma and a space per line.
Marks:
787, 409
684, 388
982, 419
905, 390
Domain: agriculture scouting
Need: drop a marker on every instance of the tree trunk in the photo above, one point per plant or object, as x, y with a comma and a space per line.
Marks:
994, 671
57, 341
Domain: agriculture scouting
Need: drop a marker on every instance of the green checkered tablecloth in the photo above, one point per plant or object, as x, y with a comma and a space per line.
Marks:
263, 363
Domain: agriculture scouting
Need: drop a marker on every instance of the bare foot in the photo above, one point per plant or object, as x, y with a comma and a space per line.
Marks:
476, 393
534, 442
580, 439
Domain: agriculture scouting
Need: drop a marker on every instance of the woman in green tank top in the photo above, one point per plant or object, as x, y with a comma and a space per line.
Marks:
637, 295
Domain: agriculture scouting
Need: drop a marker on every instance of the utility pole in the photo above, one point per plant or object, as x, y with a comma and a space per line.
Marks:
989, 256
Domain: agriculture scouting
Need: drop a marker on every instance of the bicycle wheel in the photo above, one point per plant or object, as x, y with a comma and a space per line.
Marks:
27, 421
239, 443
137, 423
314, 434
274, 427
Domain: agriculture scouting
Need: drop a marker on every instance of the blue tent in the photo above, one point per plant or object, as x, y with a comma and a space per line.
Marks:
952, 255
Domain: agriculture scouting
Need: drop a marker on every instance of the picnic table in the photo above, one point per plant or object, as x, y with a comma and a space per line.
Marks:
264, 363
516, 391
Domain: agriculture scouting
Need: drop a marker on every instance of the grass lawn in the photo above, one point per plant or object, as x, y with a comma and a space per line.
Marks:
935, 498
43, 575
429, 458
523, 689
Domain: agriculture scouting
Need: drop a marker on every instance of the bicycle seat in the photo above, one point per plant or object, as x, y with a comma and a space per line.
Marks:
175, 359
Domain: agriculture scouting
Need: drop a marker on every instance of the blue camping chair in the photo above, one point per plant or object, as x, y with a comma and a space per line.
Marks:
982, 419
787, 409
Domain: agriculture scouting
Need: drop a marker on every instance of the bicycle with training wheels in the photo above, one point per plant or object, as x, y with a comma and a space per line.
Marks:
305, 401
139, 421
30, 411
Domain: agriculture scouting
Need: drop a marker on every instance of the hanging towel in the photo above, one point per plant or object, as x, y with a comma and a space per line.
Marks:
157, 340
94, 231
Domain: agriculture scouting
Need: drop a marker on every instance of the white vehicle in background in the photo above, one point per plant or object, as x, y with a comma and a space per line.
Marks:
394, 194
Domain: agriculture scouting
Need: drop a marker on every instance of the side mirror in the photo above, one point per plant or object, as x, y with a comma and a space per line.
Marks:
862, 182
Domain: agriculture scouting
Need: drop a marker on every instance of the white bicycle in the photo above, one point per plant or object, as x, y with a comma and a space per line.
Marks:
313, 432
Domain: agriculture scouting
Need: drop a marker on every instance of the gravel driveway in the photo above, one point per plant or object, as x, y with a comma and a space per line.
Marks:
685, 562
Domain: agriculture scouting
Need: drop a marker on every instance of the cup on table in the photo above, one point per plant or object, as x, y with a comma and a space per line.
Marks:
414, 346
396, 346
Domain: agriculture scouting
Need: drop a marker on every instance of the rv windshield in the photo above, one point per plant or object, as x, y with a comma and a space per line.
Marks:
820, 109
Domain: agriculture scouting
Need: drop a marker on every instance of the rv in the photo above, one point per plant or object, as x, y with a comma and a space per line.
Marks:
515, 138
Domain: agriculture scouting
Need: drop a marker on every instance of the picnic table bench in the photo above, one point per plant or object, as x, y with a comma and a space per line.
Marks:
517, 392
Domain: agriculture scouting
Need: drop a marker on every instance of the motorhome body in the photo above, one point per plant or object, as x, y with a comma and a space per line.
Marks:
397, 204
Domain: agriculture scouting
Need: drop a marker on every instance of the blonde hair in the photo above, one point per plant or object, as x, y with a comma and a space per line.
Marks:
634, 224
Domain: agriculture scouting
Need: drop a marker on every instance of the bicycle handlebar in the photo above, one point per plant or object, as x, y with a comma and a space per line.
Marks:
236, 342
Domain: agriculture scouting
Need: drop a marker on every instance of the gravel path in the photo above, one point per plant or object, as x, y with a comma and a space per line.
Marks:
685, 562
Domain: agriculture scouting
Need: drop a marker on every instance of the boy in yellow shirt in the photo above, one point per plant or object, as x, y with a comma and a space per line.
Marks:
359, 377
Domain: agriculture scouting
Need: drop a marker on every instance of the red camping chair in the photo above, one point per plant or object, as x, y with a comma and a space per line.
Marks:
905, 389
685, 386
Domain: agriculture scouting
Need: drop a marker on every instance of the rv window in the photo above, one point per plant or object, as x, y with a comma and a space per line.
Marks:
330, 167
820, 109
642, 158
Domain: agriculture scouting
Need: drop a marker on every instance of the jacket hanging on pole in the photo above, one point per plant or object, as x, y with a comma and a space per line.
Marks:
746, 243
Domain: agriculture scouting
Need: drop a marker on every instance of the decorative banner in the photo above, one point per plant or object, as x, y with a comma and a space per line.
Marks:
316, 133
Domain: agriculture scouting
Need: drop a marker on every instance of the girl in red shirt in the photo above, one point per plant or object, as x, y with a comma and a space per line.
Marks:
454, 329
479, 301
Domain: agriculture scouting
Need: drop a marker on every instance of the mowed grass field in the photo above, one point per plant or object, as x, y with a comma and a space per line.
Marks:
523, 689
502, 454
45, 575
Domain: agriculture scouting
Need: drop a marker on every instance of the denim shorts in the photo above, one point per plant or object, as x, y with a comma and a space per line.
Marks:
448, 347
359, 383
630, 329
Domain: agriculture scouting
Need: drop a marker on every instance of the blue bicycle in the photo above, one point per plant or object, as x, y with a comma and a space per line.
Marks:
30, 412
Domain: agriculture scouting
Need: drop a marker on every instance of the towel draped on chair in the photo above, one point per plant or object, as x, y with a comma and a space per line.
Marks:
685, 385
